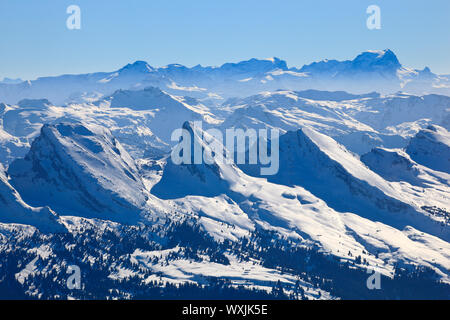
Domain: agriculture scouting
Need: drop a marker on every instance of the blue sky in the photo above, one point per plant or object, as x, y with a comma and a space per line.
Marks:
35, 41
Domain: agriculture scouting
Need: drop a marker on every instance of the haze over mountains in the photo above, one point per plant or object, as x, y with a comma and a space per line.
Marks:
87, 178
370, 71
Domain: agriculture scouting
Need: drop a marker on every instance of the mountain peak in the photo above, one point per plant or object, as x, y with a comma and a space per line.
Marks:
206, 176
11, 81
80, 170
431, 147
372, 59
256, 65
148, 98
34, 103
137, 66
368, 61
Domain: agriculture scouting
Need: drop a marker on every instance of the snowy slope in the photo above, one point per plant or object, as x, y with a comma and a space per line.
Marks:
222, 192
21, 125
360, 123
325, 168
209, 181
386, 113
80, 170
431, 147
14, 210
289, 110
168, 112
136, 128
397, 165
427, 188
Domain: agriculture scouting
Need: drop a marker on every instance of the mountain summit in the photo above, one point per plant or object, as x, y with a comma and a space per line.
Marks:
366, 62
137, 66
255, 66
376, 60
80, 170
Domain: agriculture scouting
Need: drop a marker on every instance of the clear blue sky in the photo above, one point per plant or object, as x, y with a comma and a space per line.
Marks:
34, 40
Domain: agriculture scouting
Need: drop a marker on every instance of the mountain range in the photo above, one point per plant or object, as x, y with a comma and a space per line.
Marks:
370, 71
88, 178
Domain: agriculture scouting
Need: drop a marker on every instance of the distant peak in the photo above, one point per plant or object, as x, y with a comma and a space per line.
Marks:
276, 61
138, 66
149, 89
426, 73
379, 53
384, 58
256, 65
34, 103
175, 66
11, 81
367, 61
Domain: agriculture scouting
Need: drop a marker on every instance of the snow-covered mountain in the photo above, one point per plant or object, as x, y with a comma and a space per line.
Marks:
370, 71
425, 187
431, 147
80, 170
326, 169
130, 117
382, 63
168, 112
394, 165
313, 167
87, 177
11, 146
358, 122
205, 179
14, 210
